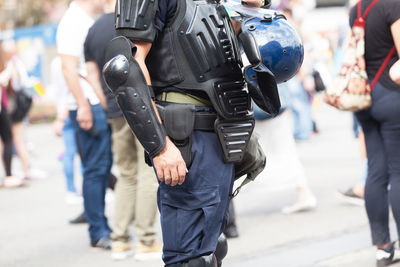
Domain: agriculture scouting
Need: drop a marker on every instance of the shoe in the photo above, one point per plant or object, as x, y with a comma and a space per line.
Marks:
121, 250
231, 232
308, 204
105, 243
389, 255
144, 252
13, 182
350, 197
80, 219
37, 174
73, 198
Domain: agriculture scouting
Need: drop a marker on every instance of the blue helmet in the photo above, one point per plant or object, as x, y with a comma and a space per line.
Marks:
280, 46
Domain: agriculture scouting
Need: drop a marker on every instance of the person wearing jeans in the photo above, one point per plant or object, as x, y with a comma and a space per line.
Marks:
87, 115
136, 187
95, 151
69, 138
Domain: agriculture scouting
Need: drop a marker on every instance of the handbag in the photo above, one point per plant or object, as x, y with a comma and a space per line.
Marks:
23, 103
350, 89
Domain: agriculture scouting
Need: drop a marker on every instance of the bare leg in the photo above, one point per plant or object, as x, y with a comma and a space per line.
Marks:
22, 151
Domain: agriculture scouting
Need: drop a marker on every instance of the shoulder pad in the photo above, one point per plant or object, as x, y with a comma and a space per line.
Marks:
135, 19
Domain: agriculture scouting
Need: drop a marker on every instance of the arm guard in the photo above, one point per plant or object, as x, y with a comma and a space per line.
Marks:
135, 19
125, 78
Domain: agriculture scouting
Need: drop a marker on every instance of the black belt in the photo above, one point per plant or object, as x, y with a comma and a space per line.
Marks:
203, 121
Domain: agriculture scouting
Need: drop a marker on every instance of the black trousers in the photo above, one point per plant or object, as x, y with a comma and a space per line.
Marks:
6, 138
381, 126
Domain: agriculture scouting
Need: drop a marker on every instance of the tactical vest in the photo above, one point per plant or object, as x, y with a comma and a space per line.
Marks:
198, 50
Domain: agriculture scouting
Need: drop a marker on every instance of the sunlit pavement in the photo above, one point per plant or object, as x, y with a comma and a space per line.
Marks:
34, 229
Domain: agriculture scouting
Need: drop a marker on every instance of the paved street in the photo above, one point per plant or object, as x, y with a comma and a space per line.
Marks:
34, 229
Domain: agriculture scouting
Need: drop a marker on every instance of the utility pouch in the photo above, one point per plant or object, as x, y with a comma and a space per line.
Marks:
178, 120
234, 137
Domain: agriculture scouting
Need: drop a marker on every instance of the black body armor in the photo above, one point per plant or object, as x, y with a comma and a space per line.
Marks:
199, 51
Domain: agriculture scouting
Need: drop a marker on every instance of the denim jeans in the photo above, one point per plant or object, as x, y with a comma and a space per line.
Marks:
95, 151
69, 138
381, 126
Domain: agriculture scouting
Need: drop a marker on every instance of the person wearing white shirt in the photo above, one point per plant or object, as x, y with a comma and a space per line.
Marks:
87, 115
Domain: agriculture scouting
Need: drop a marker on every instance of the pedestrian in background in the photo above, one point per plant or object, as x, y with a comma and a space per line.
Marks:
5, 123
20, 99
381, 125
64, 127
87, 116
277, 140
136, 188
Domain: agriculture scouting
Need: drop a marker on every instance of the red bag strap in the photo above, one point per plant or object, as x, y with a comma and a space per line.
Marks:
367, 10
383, 66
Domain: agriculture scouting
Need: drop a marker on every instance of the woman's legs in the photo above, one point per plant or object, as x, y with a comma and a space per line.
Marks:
6, 137
22, 151
376, 187
381, 125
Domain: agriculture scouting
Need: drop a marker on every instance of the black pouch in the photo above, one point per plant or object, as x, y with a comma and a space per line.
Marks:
178, 120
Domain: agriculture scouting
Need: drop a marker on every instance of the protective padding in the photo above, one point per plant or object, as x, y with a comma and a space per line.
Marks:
135, 19
125, 78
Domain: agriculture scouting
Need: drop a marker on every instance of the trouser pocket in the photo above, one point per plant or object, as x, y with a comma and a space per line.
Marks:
187, 219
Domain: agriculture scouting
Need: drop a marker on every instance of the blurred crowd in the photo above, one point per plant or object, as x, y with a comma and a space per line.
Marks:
84, 102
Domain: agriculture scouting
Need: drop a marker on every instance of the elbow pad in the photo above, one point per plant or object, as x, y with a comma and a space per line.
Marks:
125, 79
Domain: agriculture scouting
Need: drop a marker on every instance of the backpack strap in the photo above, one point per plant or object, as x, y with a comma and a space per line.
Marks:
367, 10
382, 67
360, 21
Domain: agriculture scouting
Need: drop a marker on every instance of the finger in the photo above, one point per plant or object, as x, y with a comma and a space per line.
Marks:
86, 126
160, 174
174, 176
167, 176
181, 173
83, 124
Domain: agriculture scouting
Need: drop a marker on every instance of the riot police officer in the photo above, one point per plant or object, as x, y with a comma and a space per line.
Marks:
175, 70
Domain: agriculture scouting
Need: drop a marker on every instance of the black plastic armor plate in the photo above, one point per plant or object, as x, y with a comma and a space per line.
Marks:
234, 137
233, 99
208, 41
135, 19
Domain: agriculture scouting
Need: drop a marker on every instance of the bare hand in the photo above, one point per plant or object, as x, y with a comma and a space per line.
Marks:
58, 125
394, 72
170, 166
84, 117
